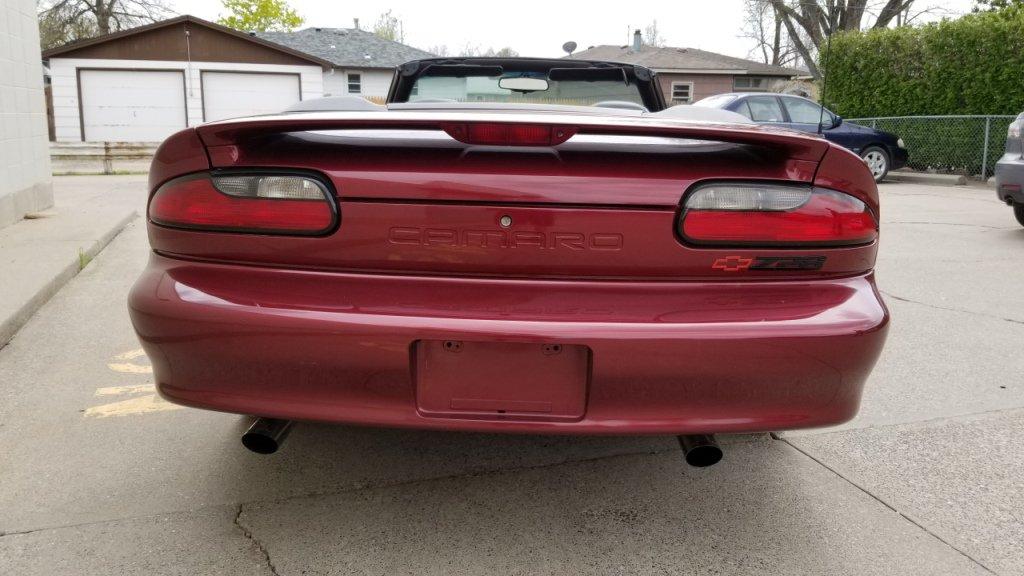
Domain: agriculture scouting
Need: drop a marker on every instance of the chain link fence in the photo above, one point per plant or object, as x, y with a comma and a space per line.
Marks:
967, 145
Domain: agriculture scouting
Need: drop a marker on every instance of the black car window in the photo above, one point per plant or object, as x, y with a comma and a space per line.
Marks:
765, 109
804, 111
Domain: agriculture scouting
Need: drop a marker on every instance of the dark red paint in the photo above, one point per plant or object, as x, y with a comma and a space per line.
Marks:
653, 335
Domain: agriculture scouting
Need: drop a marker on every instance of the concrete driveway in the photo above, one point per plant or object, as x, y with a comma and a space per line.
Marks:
98, 476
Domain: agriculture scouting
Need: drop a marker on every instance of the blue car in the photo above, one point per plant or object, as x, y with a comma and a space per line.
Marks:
881, 151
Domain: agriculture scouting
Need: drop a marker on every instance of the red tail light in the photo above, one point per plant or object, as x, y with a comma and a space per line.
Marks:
499, 134
260, 203
774, 215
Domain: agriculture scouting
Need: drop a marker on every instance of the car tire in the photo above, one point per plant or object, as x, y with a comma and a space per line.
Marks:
1018, 211
877, 160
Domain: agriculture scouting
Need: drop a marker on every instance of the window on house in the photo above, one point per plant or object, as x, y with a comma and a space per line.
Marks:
682, 91
355, 83
749, 84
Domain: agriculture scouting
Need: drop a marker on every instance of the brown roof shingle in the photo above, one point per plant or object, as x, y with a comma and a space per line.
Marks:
669, 58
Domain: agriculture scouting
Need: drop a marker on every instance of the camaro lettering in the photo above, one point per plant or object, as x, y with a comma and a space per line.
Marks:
523, 239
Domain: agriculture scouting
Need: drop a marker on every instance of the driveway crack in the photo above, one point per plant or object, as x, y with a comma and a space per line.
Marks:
259, 545
950, 309
884, 503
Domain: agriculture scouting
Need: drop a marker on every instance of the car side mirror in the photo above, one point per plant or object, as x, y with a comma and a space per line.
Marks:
837, 121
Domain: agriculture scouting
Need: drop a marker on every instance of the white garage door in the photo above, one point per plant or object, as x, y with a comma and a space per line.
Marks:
235, 94
132, 105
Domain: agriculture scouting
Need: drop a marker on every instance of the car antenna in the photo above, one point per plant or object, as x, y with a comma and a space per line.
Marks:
824, 79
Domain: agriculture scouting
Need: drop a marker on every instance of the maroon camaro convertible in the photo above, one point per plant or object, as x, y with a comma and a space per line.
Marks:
512, 245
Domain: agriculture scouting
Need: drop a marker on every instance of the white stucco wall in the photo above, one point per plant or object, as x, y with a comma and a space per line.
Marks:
375, 83
64, 77
25, 182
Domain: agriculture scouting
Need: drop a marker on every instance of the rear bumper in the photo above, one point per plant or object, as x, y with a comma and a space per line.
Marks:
1009, 175
665, 357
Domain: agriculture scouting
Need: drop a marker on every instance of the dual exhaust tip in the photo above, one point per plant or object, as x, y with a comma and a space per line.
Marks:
266, 435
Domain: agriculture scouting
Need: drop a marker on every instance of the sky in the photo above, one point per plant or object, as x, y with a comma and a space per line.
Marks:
539, 28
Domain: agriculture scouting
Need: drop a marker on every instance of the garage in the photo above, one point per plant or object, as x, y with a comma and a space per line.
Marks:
235, 94
131, 105
143, 84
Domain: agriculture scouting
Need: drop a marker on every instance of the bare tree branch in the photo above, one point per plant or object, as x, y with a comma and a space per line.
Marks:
63, 21
809, 23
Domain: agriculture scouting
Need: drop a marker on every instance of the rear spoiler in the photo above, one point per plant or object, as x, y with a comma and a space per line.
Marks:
795, 145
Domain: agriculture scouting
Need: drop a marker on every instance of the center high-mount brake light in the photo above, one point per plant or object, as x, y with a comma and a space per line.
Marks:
508, 134
258, 203
745, 214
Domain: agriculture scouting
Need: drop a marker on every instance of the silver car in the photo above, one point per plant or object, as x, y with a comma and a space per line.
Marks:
1010, 170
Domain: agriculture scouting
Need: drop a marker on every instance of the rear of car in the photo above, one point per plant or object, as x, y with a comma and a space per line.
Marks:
1009, 170
520, 271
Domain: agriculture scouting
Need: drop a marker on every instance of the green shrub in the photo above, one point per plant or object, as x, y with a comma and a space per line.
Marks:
974, 65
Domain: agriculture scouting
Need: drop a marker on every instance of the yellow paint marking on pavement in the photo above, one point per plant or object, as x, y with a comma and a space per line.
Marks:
130, 362
130, 368
131, 354
127, 366
122, 390
141, 405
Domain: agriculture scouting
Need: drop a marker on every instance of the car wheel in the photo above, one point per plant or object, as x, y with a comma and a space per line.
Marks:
877, 160
1018, 211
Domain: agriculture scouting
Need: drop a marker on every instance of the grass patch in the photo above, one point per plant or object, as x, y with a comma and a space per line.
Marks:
83, 259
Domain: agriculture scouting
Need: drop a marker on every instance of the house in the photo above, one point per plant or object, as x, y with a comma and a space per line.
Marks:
361, 62
143, 84
25, 183
687, 74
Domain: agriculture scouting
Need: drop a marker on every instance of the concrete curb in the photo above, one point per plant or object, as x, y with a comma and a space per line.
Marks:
9, 326
936, 179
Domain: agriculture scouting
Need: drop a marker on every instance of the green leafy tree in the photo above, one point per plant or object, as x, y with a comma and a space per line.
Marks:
260, 15
993, 5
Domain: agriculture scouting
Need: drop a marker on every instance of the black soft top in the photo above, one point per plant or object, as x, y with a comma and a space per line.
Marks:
555, 68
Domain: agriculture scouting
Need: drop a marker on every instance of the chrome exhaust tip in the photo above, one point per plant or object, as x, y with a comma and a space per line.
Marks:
700, 450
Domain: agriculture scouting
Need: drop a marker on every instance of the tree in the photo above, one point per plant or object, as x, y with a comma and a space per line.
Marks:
994, 5
260, 16
472, 51
771, 42
63, 21
506, 52
809, 23
652, 37
439, 50
389, 27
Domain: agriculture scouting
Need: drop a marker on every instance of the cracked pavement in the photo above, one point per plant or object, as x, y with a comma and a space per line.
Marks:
926, 480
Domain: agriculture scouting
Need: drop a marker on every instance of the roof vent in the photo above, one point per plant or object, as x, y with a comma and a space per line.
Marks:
318, 29
333, 47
